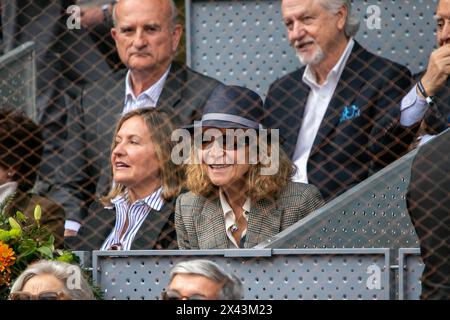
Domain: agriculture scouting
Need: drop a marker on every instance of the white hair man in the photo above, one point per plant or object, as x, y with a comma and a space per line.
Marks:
202, 280
339, 115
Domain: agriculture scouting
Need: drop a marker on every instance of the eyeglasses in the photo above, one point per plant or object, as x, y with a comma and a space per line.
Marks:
222, 141
45, 295
175, 295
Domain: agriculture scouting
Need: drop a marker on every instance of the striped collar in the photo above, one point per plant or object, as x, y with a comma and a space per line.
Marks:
154, 200
148, 98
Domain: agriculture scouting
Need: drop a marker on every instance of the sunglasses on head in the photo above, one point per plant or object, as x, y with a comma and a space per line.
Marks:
45, 295
175, 295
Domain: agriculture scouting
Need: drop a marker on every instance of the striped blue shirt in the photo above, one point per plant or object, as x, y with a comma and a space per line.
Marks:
148, 98
136, 213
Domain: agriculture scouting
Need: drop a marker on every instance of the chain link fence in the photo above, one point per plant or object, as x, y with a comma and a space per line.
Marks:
62, 66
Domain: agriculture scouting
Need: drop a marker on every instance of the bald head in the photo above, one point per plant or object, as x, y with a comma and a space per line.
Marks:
169, 8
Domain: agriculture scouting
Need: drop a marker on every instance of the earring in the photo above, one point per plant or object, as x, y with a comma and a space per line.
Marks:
10, 174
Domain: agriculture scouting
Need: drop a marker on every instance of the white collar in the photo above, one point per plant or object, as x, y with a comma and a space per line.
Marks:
227, 208
7, 189
153, 92
310, 79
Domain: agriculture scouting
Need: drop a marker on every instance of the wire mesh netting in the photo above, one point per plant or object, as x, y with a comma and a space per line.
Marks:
360, 159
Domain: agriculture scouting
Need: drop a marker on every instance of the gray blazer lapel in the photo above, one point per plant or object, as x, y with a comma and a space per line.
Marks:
210, 226
171, 93
264, 221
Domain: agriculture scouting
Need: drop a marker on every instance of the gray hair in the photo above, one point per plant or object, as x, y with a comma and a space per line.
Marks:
173, 10
352, 23
62, 271
232, 287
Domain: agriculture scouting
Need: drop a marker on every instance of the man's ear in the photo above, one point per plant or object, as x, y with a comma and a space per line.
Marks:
114, 32
176, 37
342, 15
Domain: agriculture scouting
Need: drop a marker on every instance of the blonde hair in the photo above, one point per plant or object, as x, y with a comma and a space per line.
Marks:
257, 186
160, 127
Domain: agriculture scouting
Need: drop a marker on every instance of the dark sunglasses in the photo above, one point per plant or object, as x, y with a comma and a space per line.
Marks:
174, 295
232, 145
45, 295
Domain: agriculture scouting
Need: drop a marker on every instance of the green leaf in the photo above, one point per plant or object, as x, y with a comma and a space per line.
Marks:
20, 216
14, 224
46, 251
37, 213
4, 235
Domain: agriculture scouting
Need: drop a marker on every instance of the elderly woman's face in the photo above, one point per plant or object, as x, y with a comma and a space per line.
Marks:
225, 165
133, 158
43, 283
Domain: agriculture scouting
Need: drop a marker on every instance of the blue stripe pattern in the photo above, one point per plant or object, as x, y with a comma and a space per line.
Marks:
136, 213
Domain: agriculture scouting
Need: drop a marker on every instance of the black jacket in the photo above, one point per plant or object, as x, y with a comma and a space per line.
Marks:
346, 150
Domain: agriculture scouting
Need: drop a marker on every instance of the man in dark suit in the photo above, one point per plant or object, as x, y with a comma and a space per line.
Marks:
64, 58
339, 116
147, 34
429, 206
433, 87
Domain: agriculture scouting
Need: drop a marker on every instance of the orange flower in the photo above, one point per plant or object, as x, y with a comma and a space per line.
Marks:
6, 257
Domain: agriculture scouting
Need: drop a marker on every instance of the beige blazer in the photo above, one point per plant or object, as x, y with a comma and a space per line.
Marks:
200, 222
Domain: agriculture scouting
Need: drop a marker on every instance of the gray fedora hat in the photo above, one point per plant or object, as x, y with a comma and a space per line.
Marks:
232, 107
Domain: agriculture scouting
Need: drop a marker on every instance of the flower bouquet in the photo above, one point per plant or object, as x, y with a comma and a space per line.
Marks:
23, 242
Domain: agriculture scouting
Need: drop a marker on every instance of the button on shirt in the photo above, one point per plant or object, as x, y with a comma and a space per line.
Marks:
148, 98
136, 214
230, 218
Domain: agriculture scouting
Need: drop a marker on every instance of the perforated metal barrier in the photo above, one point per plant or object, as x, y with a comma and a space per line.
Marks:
245, 42
18, 79
338, 274
410, 272
372, 214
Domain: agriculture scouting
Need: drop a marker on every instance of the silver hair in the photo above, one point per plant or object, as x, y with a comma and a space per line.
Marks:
62, 271
232, 288
352, 23
173, 9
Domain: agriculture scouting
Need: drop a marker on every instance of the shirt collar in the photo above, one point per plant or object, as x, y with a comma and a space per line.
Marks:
152, 93
7, 189
154, 200
227, 208
310, 79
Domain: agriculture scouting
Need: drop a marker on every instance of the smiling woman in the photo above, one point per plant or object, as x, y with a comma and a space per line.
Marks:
145, 185
231, 203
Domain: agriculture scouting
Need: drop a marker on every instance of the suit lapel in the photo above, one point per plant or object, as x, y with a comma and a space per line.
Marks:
148, 235
210, 226
171, 93
297, 110
351, 80
264, 221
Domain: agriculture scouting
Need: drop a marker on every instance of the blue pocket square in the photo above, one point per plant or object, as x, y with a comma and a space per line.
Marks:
349, 113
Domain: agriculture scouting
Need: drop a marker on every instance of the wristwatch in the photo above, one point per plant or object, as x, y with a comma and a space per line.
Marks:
429, 99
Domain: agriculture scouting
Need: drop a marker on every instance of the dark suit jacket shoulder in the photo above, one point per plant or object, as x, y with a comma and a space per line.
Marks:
200, 222
360, 132
156, 232
52, 213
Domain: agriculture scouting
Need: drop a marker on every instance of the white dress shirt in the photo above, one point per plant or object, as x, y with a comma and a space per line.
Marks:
230, 218
318, 100
148, 98
135, 213
412, 110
